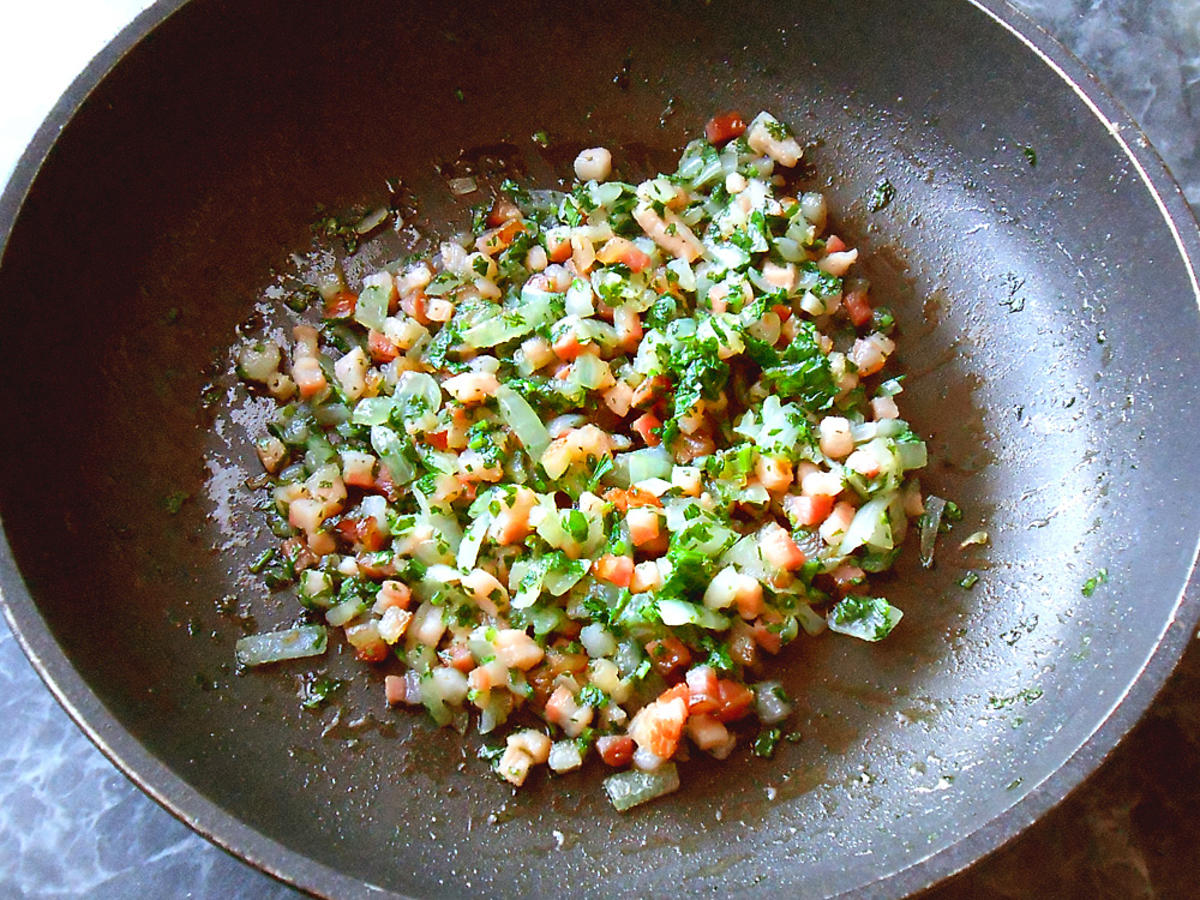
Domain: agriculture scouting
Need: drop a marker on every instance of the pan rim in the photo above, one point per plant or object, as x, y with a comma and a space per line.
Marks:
222, 828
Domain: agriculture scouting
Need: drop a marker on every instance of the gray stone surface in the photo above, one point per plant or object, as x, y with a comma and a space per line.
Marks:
71, 825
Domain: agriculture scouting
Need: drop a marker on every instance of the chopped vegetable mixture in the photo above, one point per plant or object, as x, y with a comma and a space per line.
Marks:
580, 478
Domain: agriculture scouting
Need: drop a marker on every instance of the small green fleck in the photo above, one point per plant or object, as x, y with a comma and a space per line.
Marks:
262, 560
968, 581
1030, 155
458, 95
172, 315
1089, 586
541, 138
316, 692
1028, 696
767, 741
491, 753
883, 194
173, 502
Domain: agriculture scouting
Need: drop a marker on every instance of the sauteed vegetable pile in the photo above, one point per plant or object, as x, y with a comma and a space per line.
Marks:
581, 477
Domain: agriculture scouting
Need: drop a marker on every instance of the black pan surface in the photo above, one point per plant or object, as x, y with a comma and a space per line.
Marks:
1042, 267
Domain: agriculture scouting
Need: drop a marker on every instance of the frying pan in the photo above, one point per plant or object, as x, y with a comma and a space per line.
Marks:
1041, 265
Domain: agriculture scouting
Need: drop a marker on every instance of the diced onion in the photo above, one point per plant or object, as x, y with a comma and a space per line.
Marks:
273, 646
523, 420
628, 789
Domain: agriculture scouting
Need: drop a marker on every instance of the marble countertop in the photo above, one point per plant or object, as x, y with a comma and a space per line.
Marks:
72, 825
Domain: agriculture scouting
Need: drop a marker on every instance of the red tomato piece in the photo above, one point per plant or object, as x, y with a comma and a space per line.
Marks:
382, 350
341, 305
735, 700
668, 654
502, 210
859, 307
615, 749
724, 127
645, 425
616, 570
812, 511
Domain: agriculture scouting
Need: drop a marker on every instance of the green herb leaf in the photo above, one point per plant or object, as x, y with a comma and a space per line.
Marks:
1089, 586
867, 618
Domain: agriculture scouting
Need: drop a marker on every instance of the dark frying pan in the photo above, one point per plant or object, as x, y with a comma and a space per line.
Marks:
1050, 332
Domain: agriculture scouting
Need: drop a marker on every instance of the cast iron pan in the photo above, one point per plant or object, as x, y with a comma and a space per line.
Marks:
1049, 328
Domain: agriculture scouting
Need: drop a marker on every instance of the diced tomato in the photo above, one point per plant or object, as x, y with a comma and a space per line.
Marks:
479, 679
382, 350
774, 472
370, 535
615, 749
384, 483
779, 549
635, 496
681, 690
562, 658
395, 689
650, 391
624, 251
811, 511
644, 425
784, 312
724, 127
658, 727
308, 376
457, 656
364, 532
557, 249
469, 488
858, 305
359, 477
616, 570
347, 529
341, 305
628, 498
644, 525
846, 576
376, 651
439, 440
668, 654
834, 244
703, 691
629, 327
371, 567
561, 706
393, 593
416, 305
657, 547
767, 639
734, 699
497, 239
502, 210
567, 347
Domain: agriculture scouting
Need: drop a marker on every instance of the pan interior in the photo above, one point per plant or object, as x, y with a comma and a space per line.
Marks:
1046, 324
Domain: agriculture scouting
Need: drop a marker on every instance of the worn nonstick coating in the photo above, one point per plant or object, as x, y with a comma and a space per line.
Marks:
1049, 327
